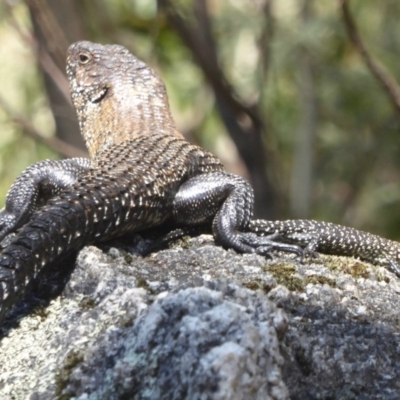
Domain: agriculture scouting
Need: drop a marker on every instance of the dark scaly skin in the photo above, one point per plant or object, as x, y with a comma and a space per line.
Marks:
142, 173
330, 238
37, 184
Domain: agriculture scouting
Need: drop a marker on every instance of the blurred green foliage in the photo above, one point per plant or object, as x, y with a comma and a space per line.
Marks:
356, 151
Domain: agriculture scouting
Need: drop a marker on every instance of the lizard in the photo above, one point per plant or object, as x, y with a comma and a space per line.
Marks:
141, 173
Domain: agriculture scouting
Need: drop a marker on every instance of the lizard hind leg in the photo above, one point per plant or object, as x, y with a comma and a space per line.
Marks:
225, 201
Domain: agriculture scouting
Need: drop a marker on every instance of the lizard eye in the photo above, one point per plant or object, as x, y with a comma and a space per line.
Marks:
84, 58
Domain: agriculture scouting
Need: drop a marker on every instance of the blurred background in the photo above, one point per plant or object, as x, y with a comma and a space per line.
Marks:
301, 97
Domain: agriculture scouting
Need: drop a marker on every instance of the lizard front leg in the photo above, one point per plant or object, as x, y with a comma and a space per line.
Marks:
227, 201
35, 186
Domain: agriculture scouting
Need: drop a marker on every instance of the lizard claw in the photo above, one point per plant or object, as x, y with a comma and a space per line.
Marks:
394, 267
264, 244
310, 253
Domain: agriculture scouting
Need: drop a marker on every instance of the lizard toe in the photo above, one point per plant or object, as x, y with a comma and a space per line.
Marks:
394, 267
263, 245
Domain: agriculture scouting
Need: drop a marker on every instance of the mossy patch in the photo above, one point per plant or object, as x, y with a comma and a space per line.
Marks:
143, 284
128, 258
63, 375
87, 303
285, 274
359, 270
127, 322
355, 268
258, 284
183, 243
320, 280
41, 311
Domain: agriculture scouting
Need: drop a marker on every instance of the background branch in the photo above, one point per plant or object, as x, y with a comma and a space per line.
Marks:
265, 40
55, 144
387, 82
42, 56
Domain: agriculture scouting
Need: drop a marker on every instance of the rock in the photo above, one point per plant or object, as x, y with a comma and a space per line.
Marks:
215, 342
203, 322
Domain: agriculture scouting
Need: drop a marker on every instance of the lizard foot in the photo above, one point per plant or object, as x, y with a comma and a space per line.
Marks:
264, 244
309, 252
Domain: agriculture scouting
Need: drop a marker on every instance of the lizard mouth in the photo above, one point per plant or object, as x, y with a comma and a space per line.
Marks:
98, 95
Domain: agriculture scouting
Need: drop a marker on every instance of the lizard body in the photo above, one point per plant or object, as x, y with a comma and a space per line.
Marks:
141, 173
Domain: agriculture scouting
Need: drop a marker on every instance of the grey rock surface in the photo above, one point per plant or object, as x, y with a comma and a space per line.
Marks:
197, 321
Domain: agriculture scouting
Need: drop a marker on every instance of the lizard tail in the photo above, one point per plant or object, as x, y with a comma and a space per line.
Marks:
330, 238
62, 226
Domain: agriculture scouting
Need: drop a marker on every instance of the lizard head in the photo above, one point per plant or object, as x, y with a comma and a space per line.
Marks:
116, 95
93, 69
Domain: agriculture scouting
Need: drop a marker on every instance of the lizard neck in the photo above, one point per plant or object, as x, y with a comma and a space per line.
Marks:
124, 113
